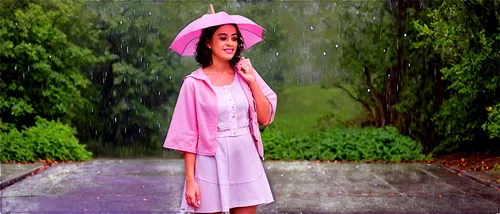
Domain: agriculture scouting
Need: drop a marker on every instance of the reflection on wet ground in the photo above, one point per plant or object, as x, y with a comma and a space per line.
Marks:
155, 185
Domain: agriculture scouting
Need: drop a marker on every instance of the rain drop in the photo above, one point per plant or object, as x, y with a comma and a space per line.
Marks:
324, 53
121, 22
277, 54
157, 77
369, 90
274, 30
384, 50
127, 49
159, 93
50, 56
312, 28
92, 110
405, 34
115, 119
374, 17
124, 79
128, 18
139, 131
337, 46
15, 67
409, 65
23, 75
169, 77
150, 13
69, 15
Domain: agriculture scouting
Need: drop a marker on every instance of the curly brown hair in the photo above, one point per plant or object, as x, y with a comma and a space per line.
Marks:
204, 54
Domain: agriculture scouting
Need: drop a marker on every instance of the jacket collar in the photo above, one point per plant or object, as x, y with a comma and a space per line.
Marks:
198, 74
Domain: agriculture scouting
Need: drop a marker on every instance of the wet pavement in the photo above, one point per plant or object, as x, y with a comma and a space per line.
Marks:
155, 186
8, 171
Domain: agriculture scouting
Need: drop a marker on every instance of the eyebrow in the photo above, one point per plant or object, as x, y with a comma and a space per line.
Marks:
225, 34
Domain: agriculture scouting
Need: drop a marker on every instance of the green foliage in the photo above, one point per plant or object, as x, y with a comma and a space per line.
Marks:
492, 126
464, 36
47, 140
40, 60
343, 144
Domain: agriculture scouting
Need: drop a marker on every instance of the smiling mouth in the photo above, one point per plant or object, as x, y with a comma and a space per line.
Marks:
229, 51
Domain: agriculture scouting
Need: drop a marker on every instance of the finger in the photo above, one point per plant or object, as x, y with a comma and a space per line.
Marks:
193, 202
198, 197
188, 201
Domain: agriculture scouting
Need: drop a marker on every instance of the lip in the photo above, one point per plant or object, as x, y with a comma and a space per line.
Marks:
229, 51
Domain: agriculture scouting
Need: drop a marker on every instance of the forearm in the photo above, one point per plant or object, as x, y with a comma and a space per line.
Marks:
189, 162
262, 105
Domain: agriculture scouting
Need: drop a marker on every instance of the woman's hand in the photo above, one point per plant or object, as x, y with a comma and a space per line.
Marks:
192, 193
246, 70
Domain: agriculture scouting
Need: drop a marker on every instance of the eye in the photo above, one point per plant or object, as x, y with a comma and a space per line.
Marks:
234, 38
222, 38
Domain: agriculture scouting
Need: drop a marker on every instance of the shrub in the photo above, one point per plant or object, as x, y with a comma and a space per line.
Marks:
47, 140
343, 144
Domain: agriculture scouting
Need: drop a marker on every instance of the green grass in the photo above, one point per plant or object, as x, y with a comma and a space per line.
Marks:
300, 108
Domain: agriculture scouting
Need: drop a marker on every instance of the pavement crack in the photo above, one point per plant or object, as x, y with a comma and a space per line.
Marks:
333, 181
434, 176
463, 192
411, 200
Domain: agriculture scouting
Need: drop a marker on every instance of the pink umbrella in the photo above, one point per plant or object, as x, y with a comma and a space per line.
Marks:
185, 42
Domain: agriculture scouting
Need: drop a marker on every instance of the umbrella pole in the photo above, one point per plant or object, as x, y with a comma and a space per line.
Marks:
212, 9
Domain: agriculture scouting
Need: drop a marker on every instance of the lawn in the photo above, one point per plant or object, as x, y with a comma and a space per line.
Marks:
301, 106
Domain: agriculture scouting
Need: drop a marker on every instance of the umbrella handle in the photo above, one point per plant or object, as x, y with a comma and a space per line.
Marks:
212, 9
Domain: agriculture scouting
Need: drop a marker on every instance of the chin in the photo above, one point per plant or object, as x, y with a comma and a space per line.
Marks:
228, 58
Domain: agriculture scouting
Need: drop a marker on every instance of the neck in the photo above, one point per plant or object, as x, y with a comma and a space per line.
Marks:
221, 66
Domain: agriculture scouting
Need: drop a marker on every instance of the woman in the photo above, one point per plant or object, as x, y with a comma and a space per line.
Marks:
215, 126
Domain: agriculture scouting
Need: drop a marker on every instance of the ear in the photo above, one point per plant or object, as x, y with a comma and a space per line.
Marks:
209, 44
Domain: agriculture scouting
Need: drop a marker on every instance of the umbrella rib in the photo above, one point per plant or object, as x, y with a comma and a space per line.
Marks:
185, 47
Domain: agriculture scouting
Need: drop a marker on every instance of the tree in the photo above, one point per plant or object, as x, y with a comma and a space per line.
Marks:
41, 60
465, 36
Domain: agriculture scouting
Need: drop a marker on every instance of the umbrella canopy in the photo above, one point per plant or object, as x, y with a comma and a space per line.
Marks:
185, 42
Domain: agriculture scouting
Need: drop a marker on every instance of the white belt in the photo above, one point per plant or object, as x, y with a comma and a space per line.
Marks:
233, 132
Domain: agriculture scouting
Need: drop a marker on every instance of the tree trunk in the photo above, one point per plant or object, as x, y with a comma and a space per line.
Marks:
379, 108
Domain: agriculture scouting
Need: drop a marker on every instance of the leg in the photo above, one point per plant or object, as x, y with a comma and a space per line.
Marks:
244, 210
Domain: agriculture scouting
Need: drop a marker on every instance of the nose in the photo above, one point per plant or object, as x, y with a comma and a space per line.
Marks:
232, 43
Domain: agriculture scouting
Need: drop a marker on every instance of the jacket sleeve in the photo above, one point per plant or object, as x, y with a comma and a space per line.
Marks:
182, 134
269, 93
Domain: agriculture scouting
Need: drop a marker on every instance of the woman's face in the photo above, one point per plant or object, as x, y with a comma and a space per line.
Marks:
224, 43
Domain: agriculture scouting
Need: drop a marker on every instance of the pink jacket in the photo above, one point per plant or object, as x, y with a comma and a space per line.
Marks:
193, 127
